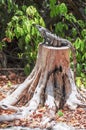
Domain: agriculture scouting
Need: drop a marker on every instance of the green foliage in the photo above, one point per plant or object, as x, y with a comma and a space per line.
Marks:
57, 9
81, 81
9, 4
81, 56
72, 29
22, 27
7, 9
60, 29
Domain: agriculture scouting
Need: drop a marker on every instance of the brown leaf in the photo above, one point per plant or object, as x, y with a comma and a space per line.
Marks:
12, 76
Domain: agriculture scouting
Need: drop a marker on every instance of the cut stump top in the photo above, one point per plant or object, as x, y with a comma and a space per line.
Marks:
53, 57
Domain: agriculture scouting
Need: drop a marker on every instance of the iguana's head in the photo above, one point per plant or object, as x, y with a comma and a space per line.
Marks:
38, 27
41, 30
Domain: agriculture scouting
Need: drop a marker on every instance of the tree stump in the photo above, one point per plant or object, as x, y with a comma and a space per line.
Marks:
50, 84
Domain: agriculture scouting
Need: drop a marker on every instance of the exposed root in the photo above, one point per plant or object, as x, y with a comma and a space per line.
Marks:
35, 100
10, 117
46, 122
9, 107
32, 73
82, 93
72, 101
33, 85
17, 94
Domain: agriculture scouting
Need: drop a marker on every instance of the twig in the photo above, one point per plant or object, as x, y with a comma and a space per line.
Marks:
7, 69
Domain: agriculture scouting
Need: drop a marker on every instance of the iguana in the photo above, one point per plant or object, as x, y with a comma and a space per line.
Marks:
55, 41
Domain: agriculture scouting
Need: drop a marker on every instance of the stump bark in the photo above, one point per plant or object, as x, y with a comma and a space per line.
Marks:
50, 84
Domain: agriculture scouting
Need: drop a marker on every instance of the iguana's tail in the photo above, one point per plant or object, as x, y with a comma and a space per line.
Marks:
74, 60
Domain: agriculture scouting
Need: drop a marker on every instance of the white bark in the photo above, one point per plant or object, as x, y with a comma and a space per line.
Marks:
35, 100
72, 101
10, 117
9, 107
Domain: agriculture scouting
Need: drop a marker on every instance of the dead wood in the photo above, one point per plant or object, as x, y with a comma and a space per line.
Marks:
50, 84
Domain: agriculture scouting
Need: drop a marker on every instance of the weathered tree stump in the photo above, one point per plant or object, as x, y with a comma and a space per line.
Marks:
50, 84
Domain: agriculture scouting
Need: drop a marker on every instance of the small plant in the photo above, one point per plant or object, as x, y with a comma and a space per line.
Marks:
9, 84
60, 113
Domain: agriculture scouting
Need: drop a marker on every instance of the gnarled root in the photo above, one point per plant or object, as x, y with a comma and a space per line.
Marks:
72, 95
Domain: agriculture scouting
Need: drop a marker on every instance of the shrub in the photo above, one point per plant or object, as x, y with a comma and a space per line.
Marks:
22, 27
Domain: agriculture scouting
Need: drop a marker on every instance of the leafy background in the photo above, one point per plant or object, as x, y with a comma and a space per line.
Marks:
19, 37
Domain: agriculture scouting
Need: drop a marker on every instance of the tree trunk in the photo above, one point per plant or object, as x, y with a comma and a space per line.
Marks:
51, 84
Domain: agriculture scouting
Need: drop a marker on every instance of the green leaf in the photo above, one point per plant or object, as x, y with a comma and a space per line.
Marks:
51, 14
70, 17
42, 22
74, 32
24, 7
25, 29
31, 11
27, 38
78, 81
81, 23
15, 18
19, 12
9, 24
63, 9
78, 67
9, 34
60, 113
60, 29
2, 1
82, 45
27, 69
52, 2
18, 31
77, 43
9, 84
83, 33
33, 31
